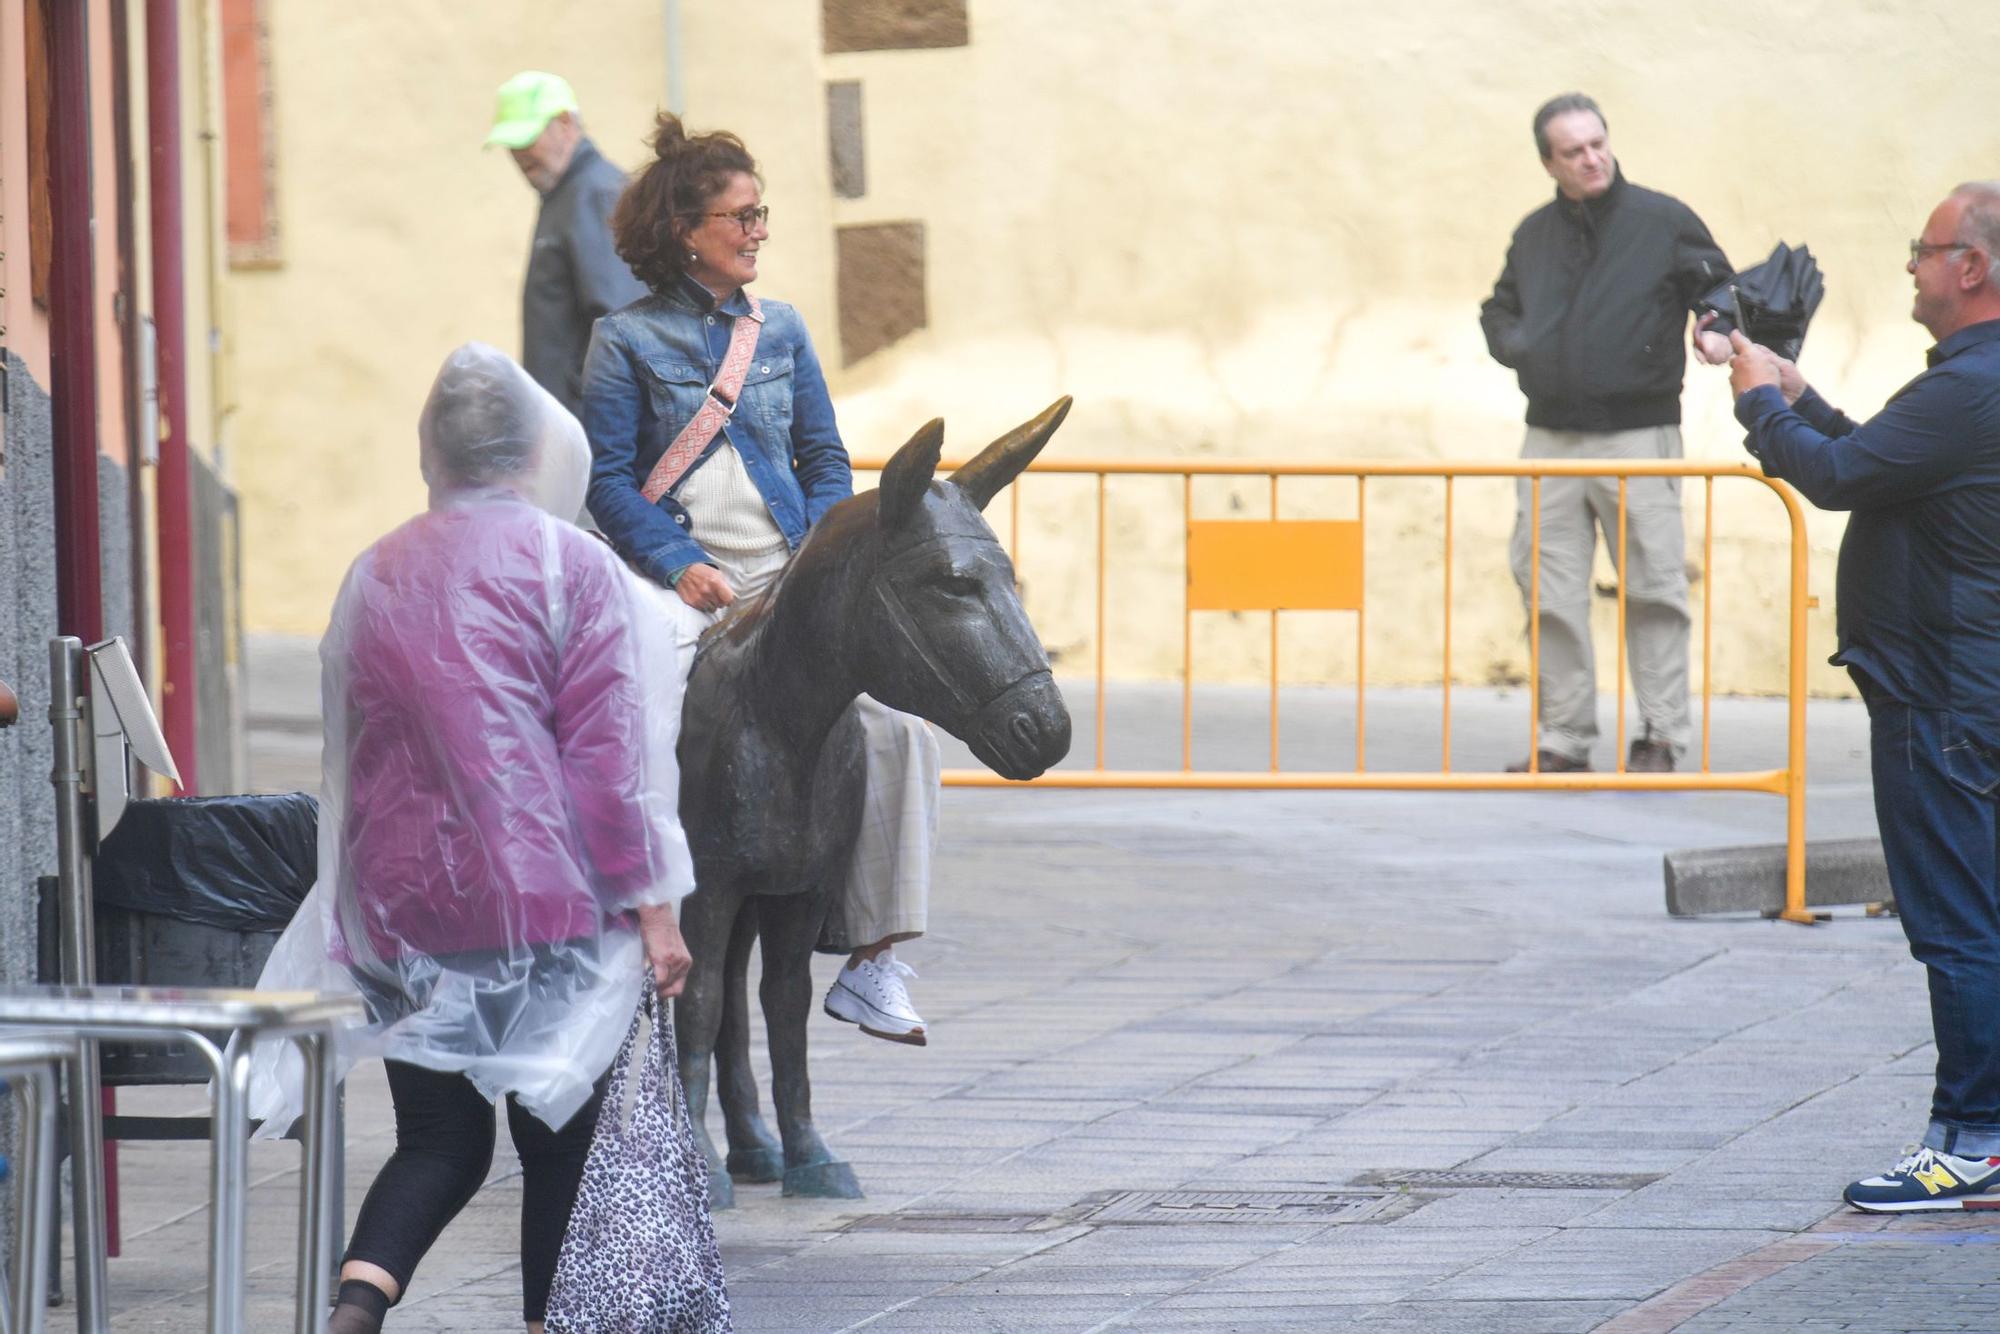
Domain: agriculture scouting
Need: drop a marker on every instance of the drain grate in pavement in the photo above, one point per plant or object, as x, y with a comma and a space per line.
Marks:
1463, 1179
940, 1220
1241, 1206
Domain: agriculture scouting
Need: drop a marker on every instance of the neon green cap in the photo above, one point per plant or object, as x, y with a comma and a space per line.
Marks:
526, 105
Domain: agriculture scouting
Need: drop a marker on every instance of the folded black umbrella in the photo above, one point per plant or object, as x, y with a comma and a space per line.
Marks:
1772, 302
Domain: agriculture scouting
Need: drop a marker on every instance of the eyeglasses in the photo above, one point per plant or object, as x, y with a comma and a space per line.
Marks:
746, 218
1918, 249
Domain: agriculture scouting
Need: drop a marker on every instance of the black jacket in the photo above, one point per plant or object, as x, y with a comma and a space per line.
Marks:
1593, 304
574, 274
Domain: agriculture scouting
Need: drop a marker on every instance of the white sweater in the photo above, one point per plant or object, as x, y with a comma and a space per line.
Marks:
731, 520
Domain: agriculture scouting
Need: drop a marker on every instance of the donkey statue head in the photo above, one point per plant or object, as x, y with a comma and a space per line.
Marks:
940, 629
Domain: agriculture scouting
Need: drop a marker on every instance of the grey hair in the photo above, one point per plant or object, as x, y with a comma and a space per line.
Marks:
480, 425
1562, 106
1979, 224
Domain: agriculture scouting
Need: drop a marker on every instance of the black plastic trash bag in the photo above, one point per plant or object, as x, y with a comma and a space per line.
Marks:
242, 863
1772, 302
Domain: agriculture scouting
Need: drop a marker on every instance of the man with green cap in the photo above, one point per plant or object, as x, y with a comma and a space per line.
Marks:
574, 273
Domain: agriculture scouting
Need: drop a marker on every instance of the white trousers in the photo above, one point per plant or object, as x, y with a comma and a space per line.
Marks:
1574, 511
889, 880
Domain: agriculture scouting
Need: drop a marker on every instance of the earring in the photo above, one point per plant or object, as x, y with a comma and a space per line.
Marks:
692, 257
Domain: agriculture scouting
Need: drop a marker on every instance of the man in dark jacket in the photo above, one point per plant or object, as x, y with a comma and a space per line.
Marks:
1589, 312
574, 273
1919, 626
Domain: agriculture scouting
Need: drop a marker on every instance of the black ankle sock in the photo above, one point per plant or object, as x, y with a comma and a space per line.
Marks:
362, 1308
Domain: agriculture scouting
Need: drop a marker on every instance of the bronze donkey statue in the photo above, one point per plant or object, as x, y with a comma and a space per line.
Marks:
902, 593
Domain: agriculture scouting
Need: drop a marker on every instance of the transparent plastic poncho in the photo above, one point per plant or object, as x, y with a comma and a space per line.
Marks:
499, 783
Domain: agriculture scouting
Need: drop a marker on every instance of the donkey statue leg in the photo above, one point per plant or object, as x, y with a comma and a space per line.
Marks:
790, 928
706, 918
754, 1154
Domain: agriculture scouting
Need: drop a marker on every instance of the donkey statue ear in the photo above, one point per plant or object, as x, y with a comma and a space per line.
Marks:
1002, 461
908, 474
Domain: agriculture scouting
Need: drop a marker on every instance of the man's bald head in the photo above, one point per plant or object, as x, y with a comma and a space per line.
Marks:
1952, 262
1979, 218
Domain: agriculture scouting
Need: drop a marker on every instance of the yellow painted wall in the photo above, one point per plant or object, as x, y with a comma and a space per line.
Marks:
1228, 229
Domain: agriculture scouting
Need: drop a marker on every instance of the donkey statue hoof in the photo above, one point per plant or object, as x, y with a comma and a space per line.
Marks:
824, 1181
765, 1162
721, 1190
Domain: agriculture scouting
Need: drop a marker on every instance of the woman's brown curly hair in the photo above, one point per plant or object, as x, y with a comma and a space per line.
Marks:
670, 196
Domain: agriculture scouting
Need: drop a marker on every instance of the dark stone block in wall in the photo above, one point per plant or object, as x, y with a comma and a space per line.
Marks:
881, 282
893, 25
844, 145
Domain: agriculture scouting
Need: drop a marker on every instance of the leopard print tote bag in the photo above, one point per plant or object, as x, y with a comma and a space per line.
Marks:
639, 1256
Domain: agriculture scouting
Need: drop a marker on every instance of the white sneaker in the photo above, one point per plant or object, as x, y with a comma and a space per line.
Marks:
872, 995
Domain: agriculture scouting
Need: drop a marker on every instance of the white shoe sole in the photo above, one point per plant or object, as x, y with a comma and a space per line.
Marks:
875, 1023
1987, 1202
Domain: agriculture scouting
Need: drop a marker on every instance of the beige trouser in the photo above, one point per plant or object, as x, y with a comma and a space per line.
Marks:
1574, 511
889, 880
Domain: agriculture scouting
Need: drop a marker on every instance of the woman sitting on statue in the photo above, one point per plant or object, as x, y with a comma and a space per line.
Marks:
714, 450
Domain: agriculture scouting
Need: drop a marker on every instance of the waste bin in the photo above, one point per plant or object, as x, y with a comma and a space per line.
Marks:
194, 892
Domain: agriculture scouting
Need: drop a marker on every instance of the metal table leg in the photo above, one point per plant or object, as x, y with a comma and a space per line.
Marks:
39, 1102
192, 1017
315, 1235
336, 1183
227, 1189
86, 1168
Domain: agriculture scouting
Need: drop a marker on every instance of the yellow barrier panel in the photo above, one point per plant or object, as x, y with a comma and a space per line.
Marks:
1274, 565
1250, 565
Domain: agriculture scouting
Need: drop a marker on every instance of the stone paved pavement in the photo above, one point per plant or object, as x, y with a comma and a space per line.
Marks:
1297, 992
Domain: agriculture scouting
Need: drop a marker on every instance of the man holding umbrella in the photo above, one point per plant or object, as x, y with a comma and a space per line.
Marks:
1589, 312
1919, 627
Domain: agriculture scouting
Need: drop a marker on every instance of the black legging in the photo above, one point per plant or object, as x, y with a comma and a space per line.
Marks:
444, 1145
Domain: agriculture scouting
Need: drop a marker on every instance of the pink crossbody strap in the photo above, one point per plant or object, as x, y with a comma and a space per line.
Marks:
716, 407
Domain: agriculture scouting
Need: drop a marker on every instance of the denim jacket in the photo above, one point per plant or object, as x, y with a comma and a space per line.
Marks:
646, 374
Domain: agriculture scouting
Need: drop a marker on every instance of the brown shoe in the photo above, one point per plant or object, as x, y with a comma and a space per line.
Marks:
1550, 762
1650, 757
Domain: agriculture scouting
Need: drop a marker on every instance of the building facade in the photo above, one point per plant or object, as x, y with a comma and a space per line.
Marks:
115, 516
1230, 231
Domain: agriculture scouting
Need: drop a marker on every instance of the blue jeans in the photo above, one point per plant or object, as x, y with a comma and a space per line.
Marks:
1937, 801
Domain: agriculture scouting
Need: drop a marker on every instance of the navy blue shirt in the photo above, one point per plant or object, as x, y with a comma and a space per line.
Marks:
1918, 594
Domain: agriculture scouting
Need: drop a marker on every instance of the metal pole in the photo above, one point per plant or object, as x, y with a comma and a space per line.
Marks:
1795, 724
86, 1120
73, 329
73, 357
132, 336
173, 492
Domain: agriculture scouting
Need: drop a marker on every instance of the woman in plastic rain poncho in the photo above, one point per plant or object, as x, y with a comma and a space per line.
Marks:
500, 847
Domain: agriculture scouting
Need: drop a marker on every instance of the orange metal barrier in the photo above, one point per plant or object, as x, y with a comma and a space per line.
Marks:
1280, 565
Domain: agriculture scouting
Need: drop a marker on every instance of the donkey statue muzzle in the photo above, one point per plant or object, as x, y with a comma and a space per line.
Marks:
1021, 731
